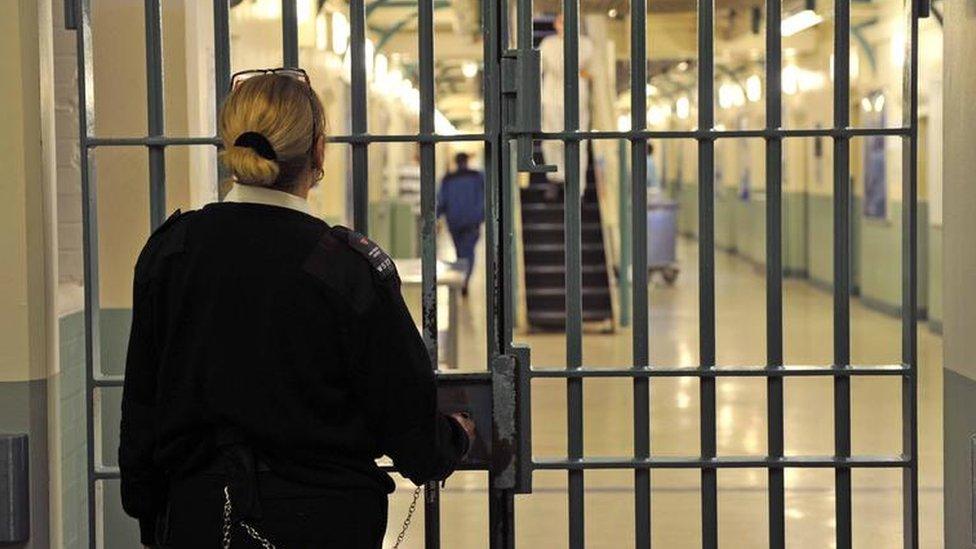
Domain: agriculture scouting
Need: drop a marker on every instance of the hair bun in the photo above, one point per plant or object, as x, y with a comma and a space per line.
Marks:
257, 142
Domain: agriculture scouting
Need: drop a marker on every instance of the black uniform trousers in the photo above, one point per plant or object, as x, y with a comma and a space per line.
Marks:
293, 516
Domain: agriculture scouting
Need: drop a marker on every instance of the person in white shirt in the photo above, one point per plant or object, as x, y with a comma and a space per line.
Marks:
553, 75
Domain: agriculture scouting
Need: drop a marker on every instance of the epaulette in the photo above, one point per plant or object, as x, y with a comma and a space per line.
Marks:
383, 266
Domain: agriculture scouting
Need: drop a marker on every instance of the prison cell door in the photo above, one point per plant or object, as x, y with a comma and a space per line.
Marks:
521, 117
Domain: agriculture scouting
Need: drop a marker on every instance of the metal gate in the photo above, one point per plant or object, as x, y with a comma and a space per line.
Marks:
511, 97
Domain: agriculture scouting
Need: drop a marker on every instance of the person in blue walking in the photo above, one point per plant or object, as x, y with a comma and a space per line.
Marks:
461, 200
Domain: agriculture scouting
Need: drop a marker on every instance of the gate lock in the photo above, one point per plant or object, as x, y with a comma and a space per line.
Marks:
499, 403
523, 104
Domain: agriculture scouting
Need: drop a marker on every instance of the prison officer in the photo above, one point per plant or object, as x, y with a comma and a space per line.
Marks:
271, 358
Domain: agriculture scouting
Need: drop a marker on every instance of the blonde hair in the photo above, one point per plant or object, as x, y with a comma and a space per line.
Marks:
285, 112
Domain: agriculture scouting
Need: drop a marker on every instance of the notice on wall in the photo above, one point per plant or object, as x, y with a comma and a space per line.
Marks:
875, 176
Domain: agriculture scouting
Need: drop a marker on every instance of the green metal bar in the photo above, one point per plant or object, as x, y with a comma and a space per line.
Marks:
623, 193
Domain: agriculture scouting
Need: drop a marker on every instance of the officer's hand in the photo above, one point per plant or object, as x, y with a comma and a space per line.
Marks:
466, 423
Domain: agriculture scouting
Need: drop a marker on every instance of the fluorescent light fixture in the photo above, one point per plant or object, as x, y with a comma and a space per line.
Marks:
683, 107
623, 122
791, 79
321, 40
754, 88
340, 33
305, 10
469, 69
370, 57
381, 66
879, 102
725, 95
799, 22
897, 49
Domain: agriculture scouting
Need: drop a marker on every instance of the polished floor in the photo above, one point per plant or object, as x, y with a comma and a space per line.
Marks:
541, 518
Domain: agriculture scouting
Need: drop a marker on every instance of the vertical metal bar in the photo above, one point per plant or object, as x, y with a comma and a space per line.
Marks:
496, 172
706, 262
428, 232
909, 289
359, 116
638, 219
842, 271
89, 213
501, 509
624, 280
289, 33
71, 14
221, 31
156, 122
574, 305
499, 229
774, 274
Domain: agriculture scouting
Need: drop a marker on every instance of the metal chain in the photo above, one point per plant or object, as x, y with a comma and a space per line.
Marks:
228, 508
406, 521
227, 511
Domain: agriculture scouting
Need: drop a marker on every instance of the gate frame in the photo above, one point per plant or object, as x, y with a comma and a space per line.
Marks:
503, 126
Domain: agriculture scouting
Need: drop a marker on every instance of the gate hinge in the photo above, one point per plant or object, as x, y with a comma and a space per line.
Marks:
511, 456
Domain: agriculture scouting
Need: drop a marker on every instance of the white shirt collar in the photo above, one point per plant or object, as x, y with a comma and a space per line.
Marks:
268, 197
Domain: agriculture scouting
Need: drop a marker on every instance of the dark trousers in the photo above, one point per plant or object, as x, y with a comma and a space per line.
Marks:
465, 241
293, 516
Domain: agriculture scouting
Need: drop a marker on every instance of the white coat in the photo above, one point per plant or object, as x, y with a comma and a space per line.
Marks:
551, 53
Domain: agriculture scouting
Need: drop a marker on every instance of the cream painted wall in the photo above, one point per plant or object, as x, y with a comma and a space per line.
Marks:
959, 263
26, 290
120, 110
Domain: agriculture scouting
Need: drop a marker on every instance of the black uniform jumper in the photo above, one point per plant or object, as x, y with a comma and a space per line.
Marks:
267, 323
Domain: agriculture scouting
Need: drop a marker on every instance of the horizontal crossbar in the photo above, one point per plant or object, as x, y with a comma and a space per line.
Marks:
758, 371
725, 462
162, 141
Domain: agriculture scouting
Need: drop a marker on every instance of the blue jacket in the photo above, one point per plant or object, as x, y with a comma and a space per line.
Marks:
461, 199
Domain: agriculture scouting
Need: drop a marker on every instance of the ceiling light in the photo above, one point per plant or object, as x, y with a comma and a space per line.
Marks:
799, 22
320, 32
754, 88
612, 13
469, 69
682, 107
340, 33
791, 79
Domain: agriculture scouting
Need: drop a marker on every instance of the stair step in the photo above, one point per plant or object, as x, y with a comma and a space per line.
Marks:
559, 317
559, 247
561, 269
533, 292
552, 206
558, 226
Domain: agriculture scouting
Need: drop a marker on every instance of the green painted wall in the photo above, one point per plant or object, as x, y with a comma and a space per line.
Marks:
750, 229
819, 239
740, 227
879, 259
74, 448
726, 219
794, 233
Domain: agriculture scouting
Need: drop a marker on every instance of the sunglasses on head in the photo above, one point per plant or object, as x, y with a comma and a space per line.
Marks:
242, 76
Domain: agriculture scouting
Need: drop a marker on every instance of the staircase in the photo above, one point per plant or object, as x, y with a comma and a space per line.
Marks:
543, 248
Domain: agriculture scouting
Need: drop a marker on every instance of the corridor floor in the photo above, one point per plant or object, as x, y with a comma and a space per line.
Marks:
541, 518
